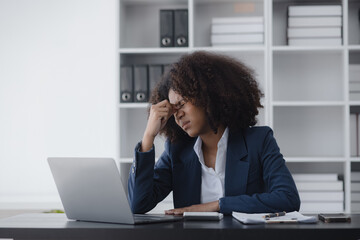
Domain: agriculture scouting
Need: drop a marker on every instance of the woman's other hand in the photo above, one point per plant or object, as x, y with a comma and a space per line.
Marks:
205, 207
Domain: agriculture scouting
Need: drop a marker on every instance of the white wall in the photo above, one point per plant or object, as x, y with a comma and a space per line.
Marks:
58, 85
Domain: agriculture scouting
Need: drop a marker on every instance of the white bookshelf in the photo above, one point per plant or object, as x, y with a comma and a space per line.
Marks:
306, 87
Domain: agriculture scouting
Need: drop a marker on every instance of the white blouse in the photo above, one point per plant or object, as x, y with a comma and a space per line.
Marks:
213, 180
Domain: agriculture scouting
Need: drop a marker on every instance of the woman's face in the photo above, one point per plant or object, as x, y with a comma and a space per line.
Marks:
189, 117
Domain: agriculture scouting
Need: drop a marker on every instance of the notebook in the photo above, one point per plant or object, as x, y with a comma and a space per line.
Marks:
90, 189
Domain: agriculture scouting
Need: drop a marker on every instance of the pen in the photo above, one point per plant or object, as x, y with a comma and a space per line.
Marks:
270, 215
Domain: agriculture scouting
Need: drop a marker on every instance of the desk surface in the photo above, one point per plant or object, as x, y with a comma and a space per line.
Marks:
57, 226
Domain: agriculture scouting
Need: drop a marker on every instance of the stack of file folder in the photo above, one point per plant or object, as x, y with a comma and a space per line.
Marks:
315, 25
174, 28
237, 31
320, 192
355, 131
354, 82
355, 191
137, 81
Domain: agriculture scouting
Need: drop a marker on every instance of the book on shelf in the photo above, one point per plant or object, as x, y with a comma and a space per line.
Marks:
354, 96
308, 177
355, 186
355, 206
243, 20
316, 207
254, 38
355, 196
314, 41
237, 28
355, 176
315, 10
320, 186
334, 196
354, 72
354, 141
314, 32
315, 21
354, 68
354, 86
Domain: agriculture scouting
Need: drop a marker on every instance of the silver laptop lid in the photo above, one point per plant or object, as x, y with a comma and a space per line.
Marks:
91, 190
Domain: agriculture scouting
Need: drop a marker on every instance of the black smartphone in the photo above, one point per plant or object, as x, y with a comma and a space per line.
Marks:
334, 217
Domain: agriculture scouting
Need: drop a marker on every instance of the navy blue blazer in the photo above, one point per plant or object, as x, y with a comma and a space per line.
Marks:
256, 177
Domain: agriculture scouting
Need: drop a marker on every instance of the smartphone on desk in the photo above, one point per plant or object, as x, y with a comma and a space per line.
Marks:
334, 217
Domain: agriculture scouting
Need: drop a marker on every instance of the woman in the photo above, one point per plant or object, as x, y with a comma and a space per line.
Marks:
214, 159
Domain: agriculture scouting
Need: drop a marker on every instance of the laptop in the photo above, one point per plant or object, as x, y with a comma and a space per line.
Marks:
90, 189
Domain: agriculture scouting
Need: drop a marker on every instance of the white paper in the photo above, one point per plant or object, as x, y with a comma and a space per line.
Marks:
258, 218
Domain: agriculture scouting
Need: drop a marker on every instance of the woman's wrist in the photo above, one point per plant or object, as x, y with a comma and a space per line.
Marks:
146, 143
214, 206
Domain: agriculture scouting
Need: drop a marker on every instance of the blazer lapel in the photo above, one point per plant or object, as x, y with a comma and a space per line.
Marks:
237, 165
188, 178
194, 179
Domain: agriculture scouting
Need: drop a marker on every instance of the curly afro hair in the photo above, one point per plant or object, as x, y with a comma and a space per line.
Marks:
224, 87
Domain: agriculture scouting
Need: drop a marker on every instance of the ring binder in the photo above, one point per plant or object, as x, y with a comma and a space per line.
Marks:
126, 84
141, 83
155, 73
181, 27
166, 28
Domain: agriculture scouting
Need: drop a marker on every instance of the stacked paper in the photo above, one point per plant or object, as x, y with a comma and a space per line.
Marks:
354, 82
237, 31
355, 191
258, 218
314, 25
320, 192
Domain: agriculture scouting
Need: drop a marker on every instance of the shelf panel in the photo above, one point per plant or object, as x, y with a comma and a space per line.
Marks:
355, 159
230, 48
223, 1
314, 159
307, 48
235, 48
354, 103
308, 76
140, 21
204, 11
307, 103
354, 47
133, 105
308, 132
143, 2
153, 50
